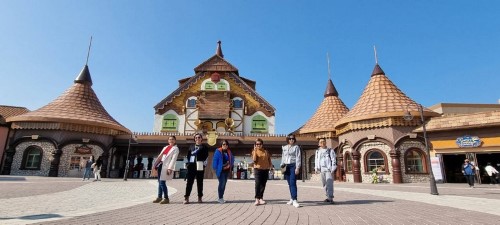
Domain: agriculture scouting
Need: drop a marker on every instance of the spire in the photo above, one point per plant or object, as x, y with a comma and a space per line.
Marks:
377, 70
330, 89
84, 76
219, 49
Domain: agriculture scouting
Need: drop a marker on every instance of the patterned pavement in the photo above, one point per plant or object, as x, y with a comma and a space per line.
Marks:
43, 200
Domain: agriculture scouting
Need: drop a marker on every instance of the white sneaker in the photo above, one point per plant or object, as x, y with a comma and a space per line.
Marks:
221, 201
295, 204
290, 202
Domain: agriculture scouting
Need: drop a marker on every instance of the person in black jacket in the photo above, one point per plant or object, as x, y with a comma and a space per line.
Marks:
197, 156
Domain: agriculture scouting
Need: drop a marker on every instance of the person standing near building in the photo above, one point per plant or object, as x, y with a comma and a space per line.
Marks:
197, 156
492, 173
88, 167
165, 165
97, 169
222, 163
325, 162
290, 160
469, 171
261, 165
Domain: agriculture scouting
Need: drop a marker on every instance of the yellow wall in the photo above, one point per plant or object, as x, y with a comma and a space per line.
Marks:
488, 144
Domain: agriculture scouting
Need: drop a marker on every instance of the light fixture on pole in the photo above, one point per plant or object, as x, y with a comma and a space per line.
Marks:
127, 163
407, 116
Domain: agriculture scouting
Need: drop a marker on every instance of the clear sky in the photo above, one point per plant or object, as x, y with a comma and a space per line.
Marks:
434, 51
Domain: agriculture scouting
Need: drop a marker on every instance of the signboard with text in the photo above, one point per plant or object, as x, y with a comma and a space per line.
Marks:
468, 141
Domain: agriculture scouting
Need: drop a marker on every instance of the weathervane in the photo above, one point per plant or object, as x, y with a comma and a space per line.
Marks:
376, 58
328, 61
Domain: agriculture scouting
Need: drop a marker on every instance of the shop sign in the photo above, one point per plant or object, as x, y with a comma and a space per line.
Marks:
83, 149
468, 141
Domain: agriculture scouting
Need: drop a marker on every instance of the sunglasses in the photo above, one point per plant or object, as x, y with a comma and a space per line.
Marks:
197, 137
224, 144
258, 144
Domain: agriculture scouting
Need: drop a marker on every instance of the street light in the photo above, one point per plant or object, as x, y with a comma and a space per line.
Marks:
408, 117
127, 164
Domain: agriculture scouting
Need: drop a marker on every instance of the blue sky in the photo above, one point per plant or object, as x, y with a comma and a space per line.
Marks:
434, 51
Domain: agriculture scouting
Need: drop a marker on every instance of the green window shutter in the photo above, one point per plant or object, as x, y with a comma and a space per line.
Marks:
259, 124
221, 86
209, 86
170, 122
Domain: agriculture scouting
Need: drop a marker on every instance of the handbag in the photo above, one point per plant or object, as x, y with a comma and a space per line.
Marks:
283, 169
199, 165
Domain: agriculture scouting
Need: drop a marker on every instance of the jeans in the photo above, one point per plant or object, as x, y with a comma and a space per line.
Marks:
87, 172
260, 182
162, 185
327, 181
222, 183
470, 179
291, 179
191, 175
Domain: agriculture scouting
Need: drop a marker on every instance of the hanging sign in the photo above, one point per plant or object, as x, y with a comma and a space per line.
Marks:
468, 141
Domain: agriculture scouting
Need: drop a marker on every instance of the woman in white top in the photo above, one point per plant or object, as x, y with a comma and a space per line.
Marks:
491, 171
290, 159
165, 164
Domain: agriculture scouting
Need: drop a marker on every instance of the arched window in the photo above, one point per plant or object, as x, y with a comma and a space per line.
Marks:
209, 85
32, 158
375, 160
170, 122
237, 103
414, 161
259, 124
191, 103
221, 86
348, 164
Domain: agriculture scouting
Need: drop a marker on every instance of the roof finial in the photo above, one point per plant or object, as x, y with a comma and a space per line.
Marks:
375, 50
88, 53
328, 61
219, 49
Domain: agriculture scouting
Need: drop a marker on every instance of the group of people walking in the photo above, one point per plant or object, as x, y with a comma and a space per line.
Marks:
223, 162
469, 170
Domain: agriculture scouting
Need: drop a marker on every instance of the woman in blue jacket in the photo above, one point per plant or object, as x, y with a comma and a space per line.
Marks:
222, 164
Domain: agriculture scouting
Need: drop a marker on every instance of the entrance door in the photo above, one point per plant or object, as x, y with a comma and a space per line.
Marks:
77, 164
482, 159
453, 168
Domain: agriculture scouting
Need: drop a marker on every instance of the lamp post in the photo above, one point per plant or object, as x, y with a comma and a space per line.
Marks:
127, 164
408, 116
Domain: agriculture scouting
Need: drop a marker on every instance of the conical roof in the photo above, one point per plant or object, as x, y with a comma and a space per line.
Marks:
77, 105
328, 113
382, 98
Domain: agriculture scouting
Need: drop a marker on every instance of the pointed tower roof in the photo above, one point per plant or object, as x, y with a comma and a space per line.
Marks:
328, 113
216, 63
219, 49
381, 99
79, 106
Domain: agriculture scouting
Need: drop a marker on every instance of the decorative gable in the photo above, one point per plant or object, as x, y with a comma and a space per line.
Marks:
216, 63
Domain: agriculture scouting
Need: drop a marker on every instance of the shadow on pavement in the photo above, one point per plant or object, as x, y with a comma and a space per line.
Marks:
33, 217
12, 179
350, 202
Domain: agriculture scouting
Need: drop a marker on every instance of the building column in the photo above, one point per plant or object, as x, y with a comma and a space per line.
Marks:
356, 170
340, 168
9, 158
397, 177
104, 166
54, 162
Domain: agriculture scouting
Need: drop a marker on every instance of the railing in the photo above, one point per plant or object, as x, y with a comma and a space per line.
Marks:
235, 134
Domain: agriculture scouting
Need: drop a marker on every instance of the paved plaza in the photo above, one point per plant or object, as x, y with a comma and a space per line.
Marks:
43, 200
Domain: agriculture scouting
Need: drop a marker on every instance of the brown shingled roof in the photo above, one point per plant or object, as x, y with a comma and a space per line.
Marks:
461, 121
77, 105
328, 113
381, 98
8, 111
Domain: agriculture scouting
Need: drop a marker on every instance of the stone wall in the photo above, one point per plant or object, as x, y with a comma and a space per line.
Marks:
411, 178
45, 161
366, 177
68, 151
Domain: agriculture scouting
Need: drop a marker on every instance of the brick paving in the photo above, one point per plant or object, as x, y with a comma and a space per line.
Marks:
113, 201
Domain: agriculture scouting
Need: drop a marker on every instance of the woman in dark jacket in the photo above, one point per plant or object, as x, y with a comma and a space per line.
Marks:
222, 163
